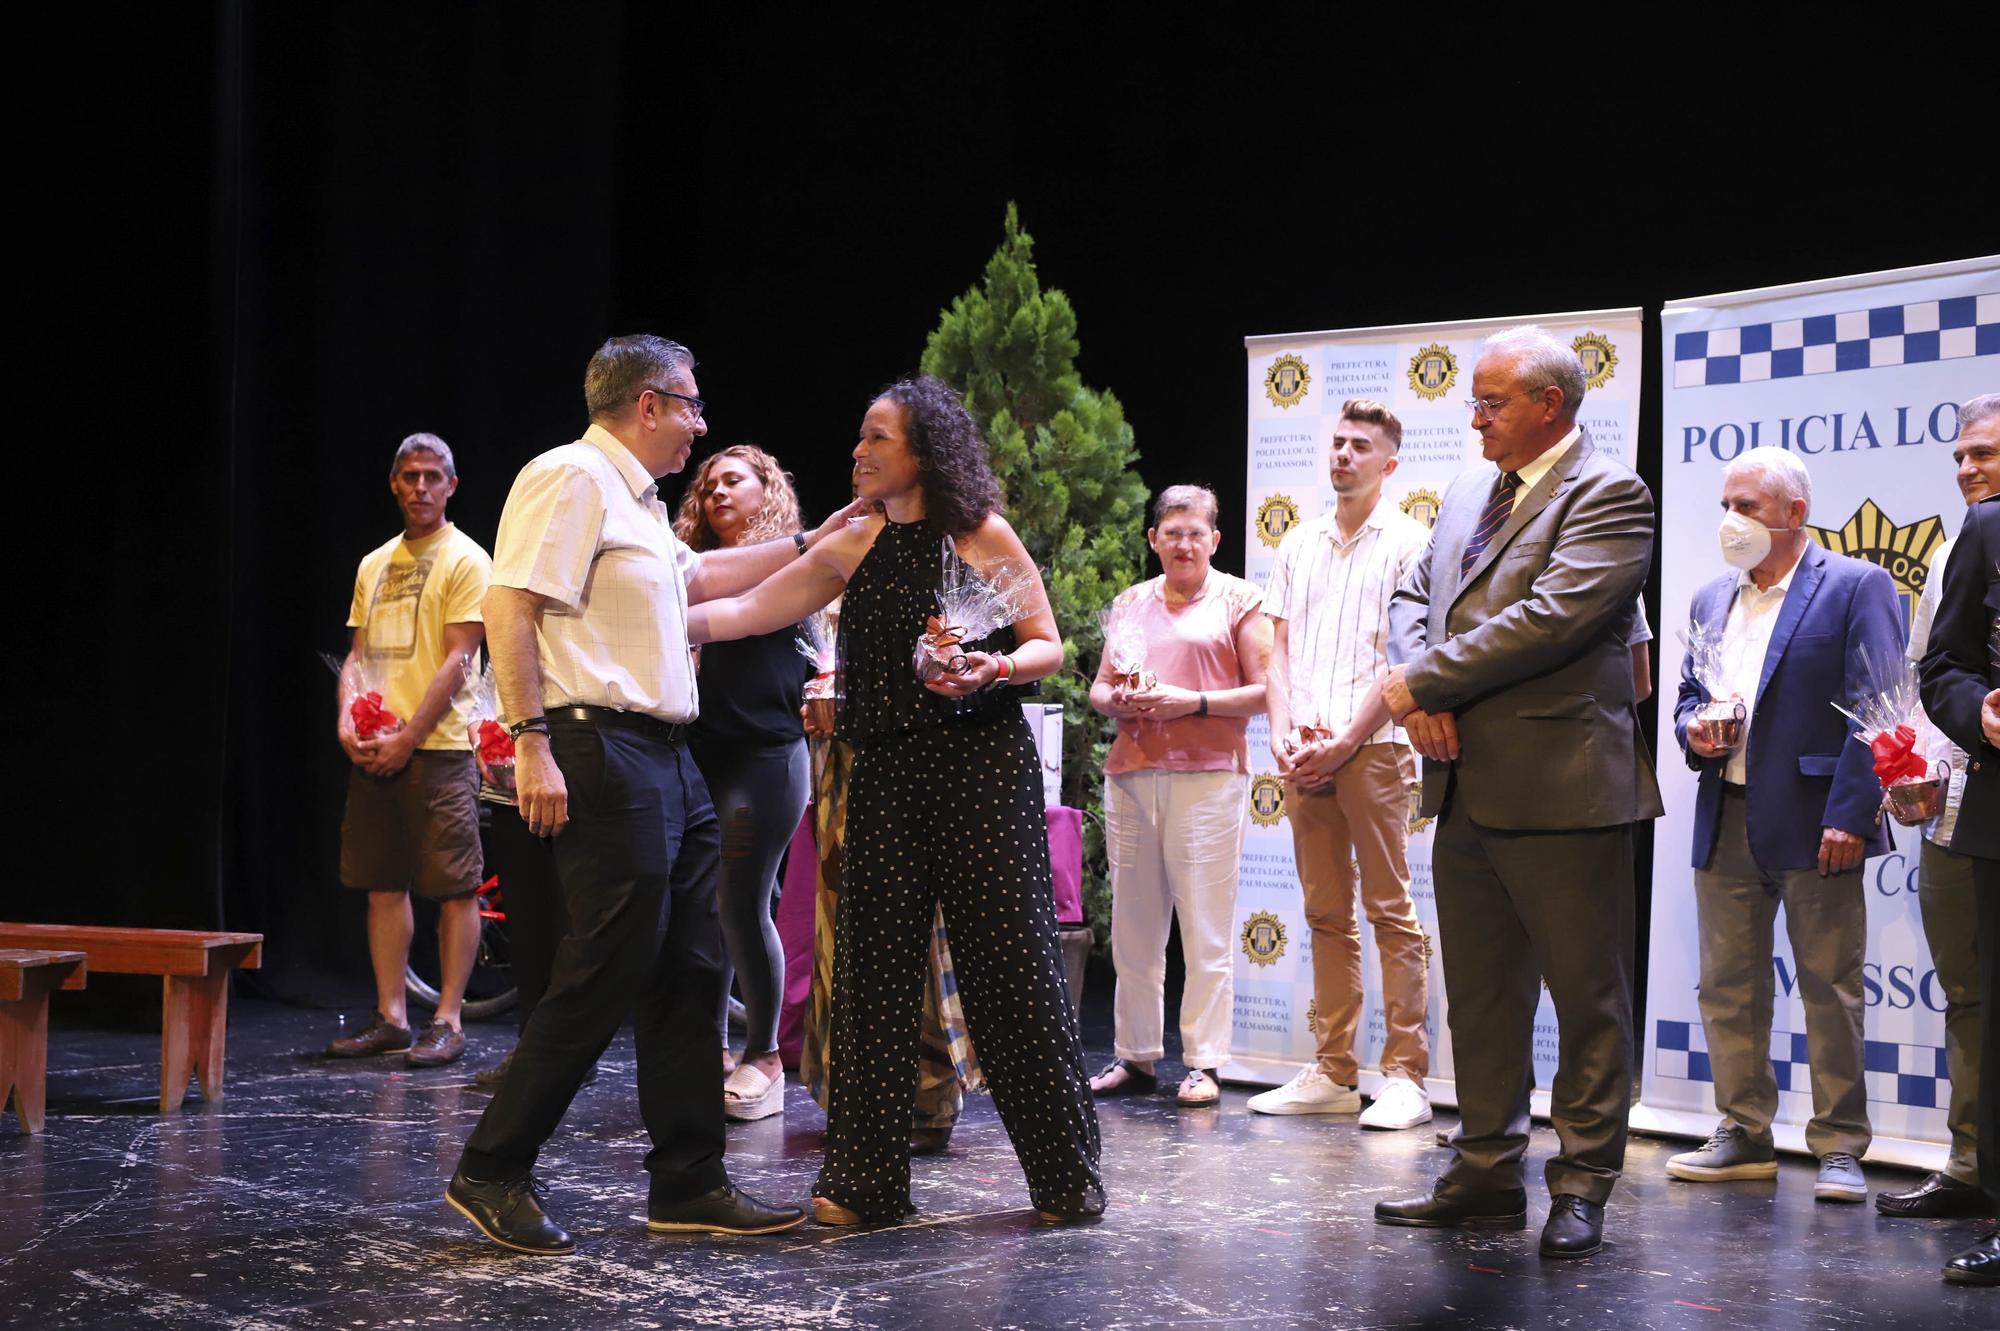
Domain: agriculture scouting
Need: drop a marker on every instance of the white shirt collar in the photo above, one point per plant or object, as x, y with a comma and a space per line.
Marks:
1377, 518
1744, 582
641, 481
1534, 471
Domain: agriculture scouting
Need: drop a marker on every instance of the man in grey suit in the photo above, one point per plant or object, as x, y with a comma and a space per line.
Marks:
1515, 683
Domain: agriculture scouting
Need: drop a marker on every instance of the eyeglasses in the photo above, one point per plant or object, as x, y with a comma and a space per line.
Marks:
700, 407
1489, 407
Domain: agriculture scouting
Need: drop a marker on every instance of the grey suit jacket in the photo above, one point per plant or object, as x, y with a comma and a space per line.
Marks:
1529, 649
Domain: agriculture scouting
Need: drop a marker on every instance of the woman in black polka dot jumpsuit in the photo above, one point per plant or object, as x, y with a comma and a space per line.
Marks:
945, 804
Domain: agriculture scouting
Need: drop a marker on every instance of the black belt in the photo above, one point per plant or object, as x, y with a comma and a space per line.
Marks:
670, 732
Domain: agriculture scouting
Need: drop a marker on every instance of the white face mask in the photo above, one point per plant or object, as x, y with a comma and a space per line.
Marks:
1745, 541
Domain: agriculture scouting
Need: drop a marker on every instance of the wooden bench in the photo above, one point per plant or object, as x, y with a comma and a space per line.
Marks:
194, 966
26, 977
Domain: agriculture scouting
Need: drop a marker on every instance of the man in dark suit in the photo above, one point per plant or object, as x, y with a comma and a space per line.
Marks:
1961, 689
1515, 683
1787, 810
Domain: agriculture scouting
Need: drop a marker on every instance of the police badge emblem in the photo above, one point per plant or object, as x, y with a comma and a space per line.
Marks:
1286, 381
1423, 505
1267, 800
1433, 370
1275, 517
1905, 552
1599, 357
1263, 938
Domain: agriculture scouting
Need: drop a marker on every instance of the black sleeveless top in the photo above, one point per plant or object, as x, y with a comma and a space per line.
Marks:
750, 689
882, 614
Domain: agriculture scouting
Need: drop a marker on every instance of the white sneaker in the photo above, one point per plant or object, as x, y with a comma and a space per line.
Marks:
1311, 1092
1401, 1103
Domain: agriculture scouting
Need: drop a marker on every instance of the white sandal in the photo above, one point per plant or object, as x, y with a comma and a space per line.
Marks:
749, 1095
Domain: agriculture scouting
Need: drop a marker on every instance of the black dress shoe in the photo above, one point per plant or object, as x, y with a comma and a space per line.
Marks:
1467, 1210
1575, 1227
510, 1213
723, 1211
1937, 1196
1977, 1265
489, 1079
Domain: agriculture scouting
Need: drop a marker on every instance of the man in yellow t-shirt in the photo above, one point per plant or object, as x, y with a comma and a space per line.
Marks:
412, 822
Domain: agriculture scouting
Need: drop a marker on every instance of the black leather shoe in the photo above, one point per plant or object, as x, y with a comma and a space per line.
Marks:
489, 1079
1575, 1227
510, 1213
1467, 1210
1937, 1196
723, 1211
1977, 1265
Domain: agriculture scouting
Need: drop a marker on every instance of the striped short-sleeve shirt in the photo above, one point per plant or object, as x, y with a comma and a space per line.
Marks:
1334, 598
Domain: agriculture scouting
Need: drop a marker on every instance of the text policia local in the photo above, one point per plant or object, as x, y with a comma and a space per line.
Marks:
1829, 432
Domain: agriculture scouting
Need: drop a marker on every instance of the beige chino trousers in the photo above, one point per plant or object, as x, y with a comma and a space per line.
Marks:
1364, 821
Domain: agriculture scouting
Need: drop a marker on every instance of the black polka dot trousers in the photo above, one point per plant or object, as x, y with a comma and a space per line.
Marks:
953, 815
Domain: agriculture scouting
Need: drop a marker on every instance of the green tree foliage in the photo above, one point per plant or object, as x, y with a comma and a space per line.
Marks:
1065, 457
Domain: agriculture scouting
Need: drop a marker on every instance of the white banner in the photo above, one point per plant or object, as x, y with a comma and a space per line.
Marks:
1861, 378
1296, 386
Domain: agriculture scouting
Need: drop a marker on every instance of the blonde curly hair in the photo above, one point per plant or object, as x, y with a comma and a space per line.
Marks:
779, 515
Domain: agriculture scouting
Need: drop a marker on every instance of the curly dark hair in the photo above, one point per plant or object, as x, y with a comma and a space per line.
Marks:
959, 487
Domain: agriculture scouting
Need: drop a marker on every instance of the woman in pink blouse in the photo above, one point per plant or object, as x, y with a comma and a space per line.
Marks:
1174, 788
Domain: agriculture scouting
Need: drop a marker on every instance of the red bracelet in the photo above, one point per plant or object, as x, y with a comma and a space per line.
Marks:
1006, 675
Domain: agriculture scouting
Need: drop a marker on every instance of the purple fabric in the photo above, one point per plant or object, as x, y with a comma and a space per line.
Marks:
1066, 861
795, 928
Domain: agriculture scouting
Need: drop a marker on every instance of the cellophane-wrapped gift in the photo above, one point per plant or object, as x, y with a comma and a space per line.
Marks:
1889, 718
489, 736
361, 687
969, 608
1720, 711
1125, 648
816, 643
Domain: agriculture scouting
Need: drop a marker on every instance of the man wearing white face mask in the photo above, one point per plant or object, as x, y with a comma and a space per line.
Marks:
1784, 817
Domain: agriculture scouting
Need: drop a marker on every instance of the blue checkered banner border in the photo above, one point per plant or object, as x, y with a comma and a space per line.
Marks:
1897, 1074
1923, 331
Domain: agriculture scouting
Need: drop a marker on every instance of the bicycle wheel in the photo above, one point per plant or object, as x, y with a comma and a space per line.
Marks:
490, 990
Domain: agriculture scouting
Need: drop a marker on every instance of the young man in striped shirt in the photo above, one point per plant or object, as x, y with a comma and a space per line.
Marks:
1347, 770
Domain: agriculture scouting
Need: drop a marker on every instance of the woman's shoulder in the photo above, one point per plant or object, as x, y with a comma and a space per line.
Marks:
1236, 592
1139, 593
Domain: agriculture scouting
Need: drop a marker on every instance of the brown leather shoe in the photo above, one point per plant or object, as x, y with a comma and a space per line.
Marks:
437, 1046
378, 1037
930, 1141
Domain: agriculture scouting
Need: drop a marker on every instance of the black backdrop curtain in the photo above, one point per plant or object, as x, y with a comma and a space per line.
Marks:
275, 241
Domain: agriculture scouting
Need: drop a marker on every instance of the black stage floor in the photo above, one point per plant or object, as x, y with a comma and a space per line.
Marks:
310, 1197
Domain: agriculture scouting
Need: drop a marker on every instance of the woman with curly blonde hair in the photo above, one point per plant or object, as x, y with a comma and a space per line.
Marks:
750, 745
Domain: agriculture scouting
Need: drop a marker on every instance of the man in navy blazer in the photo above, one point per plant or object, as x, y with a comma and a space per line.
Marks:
1787, 810
1961, 688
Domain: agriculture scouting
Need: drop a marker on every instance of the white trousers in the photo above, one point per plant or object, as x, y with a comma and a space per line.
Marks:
1175, 843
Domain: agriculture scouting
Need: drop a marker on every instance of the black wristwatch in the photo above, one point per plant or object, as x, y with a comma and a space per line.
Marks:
538, 724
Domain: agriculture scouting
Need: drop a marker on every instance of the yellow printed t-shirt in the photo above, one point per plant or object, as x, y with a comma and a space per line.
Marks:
404, 595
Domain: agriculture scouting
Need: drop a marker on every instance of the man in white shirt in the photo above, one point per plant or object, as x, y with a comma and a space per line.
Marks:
1944, 880
1787, 810
1348, 771
587, 624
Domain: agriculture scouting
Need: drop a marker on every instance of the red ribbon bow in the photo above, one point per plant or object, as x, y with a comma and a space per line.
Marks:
1896, 758
371, 718
495, 744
